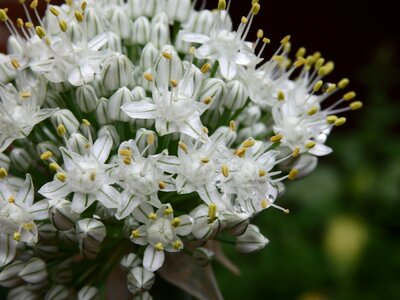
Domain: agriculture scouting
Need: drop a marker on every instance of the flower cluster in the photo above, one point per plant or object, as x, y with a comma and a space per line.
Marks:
135, 131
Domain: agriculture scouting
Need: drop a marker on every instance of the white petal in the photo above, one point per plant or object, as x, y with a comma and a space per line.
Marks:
26, 193
142, 211
8, 247
194, 128
102, 147
128, 203
228, 68
82, 201
320, 150
109, 197
98, 41
140, 110
55, 190
205, 51
39, 210
194, 37
153, 259
169, 164
5, 141
209, 194
186, 225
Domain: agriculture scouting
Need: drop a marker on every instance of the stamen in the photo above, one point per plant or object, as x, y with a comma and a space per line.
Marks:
61, 131
225, 170
61, 176
296, 152
135, 234
177, 245
232, 125
167, 55
292, 174
162, 185
212, 211
17, 236
54, 166
207, 100
262, 173
175, 222
349, 96
148, 76
205, 68
159, 246
276, 138
221, 5
3, 173
205, 160
168, 211
310, 145
46, 155
340, 121
152, 216
183, 146
356, 105
11, 199
248, 143
343, 83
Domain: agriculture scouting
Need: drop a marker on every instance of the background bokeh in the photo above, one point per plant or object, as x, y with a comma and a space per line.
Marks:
341, 240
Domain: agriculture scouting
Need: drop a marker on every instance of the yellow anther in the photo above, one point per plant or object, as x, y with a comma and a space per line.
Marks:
40, 31
323, 71
332, 87
15, 64
278, 58
356, 105
125, 152
11, 199
225, 170
159, 246
286, 211
83, 5
310, 145
61, 131
150, 138
330, 66
86, 122
221, 4
301, 52
54, 166
33, 4
175, 222
127, 160
292, 174
276, 138
300, 62
168, 211
207, 100
281, 95
27, 226
244, 20
25, 94
61, 176
148, 76
20, 23
248, 143
166, 55
262, 172
162, 185
28, 25
92, 176
319, 63
48, 42
260, 33
309, 61
331, 119
69, 2
63, 25
264, 204
205, 160
192, 50
135, 234
240, 152
212, 211
316, 56
46, 155
287, 47
54, 11
266, 40
296, 152
79, 16
232, 125
177, 245
312, 111
254, 2
340, 121
349, 96
3, 173
343, 83
183, 146
174, 83
318, 85
285, 40
21, 1
17, 236
205, 130
152, 216
205, 68
255, 9
3, 15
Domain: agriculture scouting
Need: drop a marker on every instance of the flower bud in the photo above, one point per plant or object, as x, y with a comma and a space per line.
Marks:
140, 280
146, 139
203, 256
120, 23
20, 159
113, 132
235, 224
235, 96
160, 35
251, 241
201, 22
7, 74
250, 115
230, 135
258, 130
54, 100
148, 57
179, 10
101, 111
88, 293
48, 251
138, 93
161, 17
9, 275
212, 89
130, 261
74, 32
48, 146
34, 271
68, 237
79, 144
21, 292
86, 98
97, 84
113, 42
14, 46
150, 8
62, 273
117, 72
67, 118
141, 123
4, 161
47, 231
58, 292
91, 233
141, 31
94, 24
61, 215
120, 97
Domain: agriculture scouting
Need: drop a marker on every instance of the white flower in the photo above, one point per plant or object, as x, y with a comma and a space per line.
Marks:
17, 215
174, 104
160, 232
86, 175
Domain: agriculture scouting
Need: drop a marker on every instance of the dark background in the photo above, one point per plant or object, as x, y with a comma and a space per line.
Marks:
341, 240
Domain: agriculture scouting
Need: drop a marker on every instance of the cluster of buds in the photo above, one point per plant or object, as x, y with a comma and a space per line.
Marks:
133, 131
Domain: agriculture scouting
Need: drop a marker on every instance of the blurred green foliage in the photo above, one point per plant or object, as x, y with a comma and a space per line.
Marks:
341, 240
